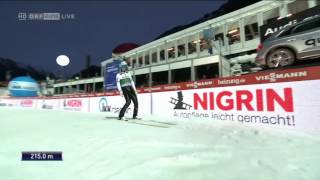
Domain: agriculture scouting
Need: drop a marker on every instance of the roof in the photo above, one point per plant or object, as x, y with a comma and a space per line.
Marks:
125, 47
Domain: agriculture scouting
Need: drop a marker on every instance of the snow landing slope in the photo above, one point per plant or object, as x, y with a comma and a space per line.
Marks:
98, 149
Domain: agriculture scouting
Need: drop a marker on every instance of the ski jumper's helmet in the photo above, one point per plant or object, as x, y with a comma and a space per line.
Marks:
123, 66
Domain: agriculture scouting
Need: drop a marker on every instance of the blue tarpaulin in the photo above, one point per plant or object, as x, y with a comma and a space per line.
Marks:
110, 75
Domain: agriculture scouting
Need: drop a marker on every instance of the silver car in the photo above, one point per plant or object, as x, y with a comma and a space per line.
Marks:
300, 41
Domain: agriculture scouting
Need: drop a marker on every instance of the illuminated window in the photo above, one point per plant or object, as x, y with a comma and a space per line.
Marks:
171, 51
218, 35
192, 44
204, 44
205, 39
234, 33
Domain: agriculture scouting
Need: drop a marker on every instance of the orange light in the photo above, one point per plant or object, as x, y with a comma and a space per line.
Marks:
233, 31
196, 41
235, 35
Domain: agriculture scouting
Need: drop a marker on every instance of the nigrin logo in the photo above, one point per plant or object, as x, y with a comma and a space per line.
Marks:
74, 103
258, 100
27, 103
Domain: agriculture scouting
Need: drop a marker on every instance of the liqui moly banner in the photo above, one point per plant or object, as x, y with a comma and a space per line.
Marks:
291, 105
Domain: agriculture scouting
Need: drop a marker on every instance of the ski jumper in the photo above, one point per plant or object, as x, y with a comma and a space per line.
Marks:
127, 87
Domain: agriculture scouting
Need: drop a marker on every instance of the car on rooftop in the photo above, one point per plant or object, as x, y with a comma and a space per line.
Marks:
298, 42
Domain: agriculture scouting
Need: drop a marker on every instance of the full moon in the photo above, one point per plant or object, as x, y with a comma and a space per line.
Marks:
63, 60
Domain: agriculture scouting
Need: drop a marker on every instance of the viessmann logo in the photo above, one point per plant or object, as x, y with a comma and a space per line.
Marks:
273, 77
197, 84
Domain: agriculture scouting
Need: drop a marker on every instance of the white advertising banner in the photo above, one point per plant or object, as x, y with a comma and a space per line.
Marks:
111, 105
9, 103
292, 105
270, 99
52, 104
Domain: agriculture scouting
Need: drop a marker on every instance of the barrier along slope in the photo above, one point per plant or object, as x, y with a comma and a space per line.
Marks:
271, 99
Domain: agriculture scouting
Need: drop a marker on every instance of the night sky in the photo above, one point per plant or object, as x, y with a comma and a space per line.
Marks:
97, 28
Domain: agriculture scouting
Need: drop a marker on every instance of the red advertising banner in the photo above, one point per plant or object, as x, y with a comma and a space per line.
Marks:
263, 77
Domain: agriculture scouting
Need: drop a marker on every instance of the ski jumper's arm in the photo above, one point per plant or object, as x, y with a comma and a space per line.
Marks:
118, 83
133, 85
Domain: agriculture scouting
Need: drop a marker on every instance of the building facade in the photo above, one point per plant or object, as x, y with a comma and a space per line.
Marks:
214, 48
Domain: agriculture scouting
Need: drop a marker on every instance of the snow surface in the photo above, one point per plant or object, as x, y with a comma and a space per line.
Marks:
95, 148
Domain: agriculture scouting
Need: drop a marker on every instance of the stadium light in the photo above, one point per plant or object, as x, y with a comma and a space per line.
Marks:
63, 60
233, 31
196, 41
